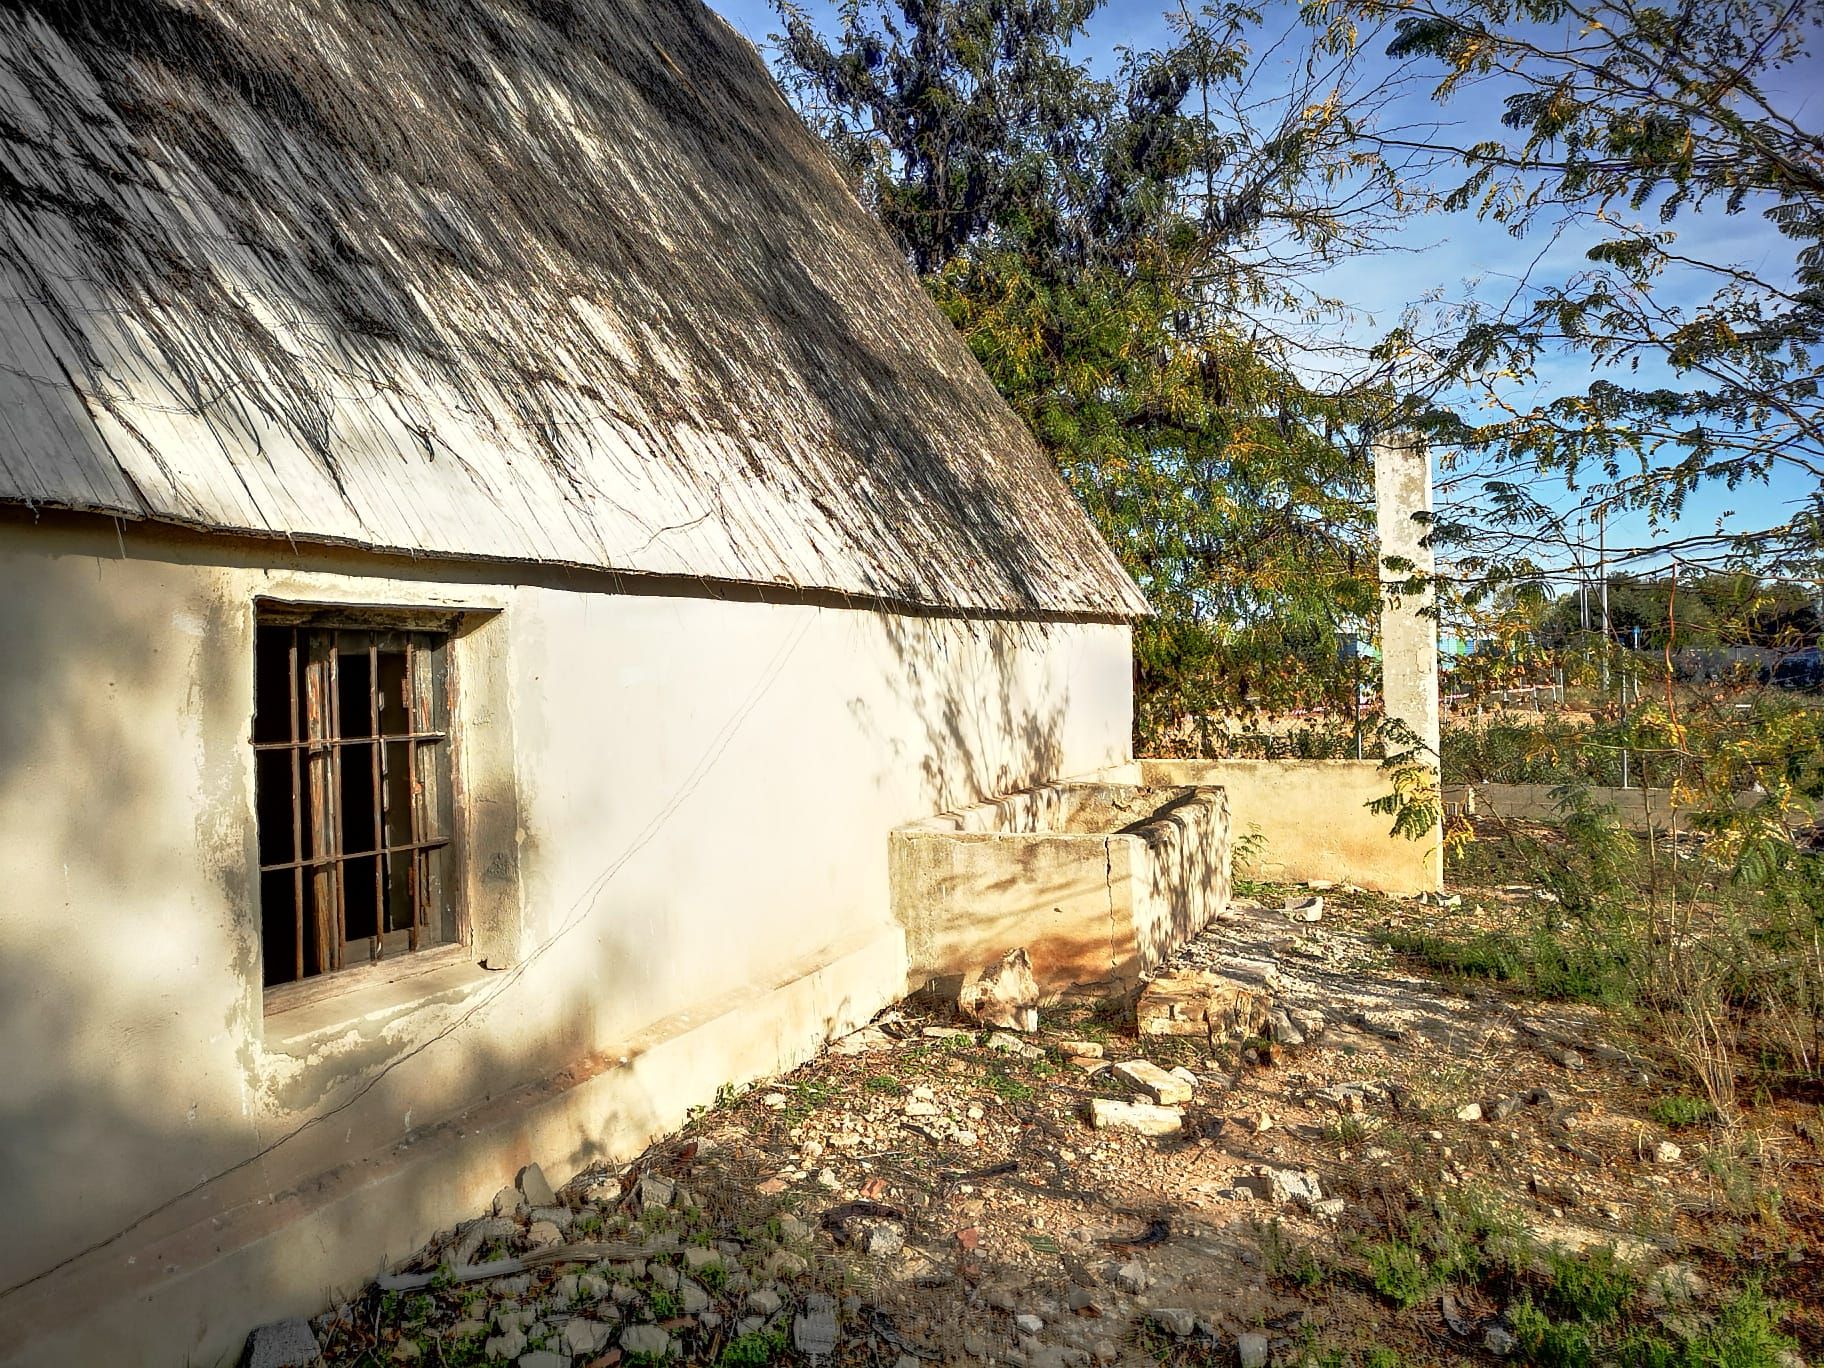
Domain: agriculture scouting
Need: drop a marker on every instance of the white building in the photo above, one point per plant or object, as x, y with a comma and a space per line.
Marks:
493, 538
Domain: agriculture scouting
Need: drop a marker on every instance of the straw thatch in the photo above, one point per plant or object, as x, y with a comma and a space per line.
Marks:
530, 280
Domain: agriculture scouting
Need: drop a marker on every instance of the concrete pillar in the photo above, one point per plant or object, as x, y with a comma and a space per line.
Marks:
1409, 624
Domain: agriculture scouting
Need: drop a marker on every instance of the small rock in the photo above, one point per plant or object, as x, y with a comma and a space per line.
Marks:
1146, 1077
692, 1298
284, 1344
646, 1339
509, 1202
814, 1328
1082, 1049
1309, 1020
1498, 1341
544, 1234
1184, 1076
1665, 1152
1502, 1108
1174, 1320
1012, 1044
582, 1336
776, 1100
1281, 1029
1305, 909
763, 1301
1251, 1350
1329, 1208
407, 1351
1564, 1056
665, 1277
655, 1190
1003, 994
884, 1241
1470, 1111
1028, 1324
466, 1328
697, 1258
947, 1033
561, 1217
543, 1358
1142, 1117
1131, 1277
509, 1344
791, 1228
782, 1263
536, 1189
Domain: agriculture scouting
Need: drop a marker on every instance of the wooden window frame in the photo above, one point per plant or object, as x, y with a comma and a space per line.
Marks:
319, 856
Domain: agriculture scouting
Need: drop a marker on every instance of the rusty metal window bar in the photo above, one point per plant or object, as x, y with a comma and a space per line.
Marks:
352, 795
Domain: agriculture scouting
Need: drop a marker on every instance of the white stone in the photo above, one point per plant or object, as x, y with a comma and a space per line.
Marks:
584, 1336
1498, 1341
1470, 1111
1251, 1350
1028, 1323
1146, 1077
1143, 1117
1665, 1152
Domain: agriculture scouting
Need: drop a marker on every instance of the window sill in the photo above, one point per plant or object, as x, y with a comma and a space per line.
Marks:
299, 1017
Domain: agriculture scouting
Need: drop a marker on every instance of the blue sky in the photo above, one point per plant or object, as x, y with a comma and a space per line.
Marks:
1457, 256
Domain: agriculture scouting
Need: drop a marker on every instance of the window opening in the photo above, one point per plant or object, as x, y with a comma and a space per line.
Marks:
352, 796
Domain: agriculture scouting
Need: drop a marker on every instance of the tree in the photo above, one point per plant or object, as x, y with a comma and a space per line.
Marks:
1620, 123
1106, 245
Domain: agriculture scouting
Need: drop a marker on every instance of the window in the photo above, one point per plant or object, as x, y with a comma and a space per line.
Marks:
352, 794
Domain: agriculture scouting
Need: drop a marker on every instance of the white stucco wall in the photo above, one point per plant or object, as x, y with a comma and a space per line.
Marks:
667, 796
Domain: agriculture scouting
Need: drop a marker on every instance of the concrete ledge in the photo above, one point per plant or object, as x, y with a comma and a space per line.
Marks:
192, 1296
1097, 881
1634, 809
1312, 818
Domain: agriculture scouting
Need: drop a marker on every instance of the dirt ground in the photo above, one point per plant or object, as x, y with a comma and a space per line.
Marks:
928, 1193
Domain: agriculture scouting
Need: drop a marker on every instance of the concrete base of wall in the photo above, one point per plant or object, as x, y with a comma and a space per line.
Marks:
1311, 820
1097, 881
191, 1296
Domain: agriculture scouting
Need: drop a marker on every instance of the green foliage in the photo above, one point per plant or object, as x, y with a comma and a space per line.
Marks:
754, 1349
1399, 1272
1680, 1110
1620, 121
1108, 246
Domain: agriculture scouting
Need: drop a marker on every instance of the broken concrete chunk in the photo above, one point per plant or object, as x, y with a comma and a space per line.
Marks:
509, 1202
1196, 1003
1081, 1049
1004, 994
544, 1234
536, 1189
1146, 1077
1142, 1117
284, 1344
1305, 909
814, 1328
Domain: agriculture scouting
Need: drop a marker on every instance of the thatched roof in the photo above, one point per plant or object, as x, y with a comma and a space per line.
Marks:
528, 280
